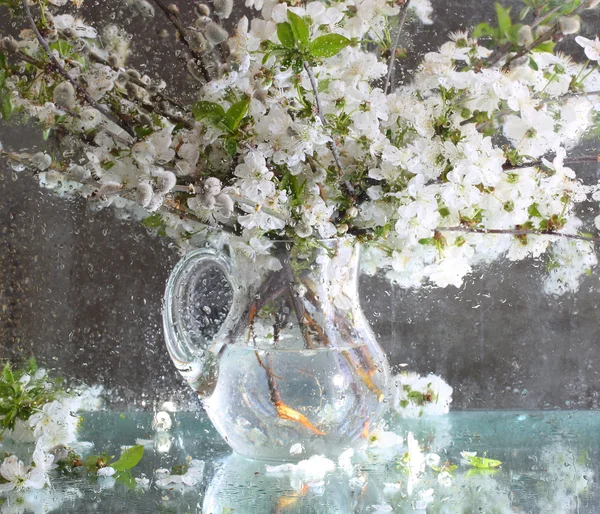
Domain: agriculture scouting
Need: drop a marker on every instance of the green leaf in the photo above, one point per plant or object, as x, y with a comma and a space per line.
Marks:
286, 35
64, 49
155, 220
476, 472
7, 374
504, 21
2, 78
547, 46
6, 391
90, 462
235, 114
231, 146
481, 462
210, 110
524, 12
324, 85
300, 28
126, 478
144, 131
3, 61
328, 45
129, 458
512, 34
32, 366
6, 107
533, 65
483, 29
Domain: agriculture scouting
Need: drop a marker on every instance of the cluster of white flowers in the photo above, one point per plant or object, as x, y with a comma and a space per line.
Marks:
17, 476
55, 423
297, 138
415, 396
52, 426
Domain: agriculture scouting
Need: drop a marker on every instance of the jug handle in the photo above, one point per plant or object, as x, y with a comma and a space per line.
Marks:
195, 357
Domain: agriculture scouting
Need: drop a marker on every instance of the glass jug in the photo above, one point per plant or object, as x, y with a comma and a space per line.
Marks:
294, 369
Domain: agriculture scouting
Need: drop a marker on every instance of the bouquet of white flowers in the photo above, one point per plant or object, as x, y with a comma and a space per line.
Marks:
301, 131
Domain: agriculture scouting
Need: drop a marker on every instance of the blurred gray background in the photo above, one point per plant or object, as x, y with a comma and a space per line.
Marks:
82, 291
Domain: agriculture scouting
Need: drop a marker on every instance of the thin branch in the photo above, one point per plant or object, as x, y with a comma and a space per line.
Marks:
56, 64
566, 96
499, 53
174, 19
541, 19
519, 232
100, 60
175, 118
185, 213
573, 160
193, 190
402, 19
546, 36
315, 88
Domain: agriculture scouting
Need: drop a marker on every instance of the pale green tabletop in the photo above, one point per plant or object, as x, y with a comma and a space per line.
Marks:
550, 466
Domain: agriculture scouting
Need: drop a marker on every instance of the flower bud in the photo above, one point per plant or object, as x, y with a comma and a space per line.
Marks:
223, 8
260, 95
352, 212
165, 181
541, 30
212, 186
215, 34
144, 8
78, 173
133, 91
202, 22
173, 9
113, 61
41, 161
64, 95
525, 36
303, 229
145, 120
143, 194
134, 74
204, 10
569, 25
109, 188
69, 33
10, 45
89, 118
342, 229
196, 40
155, 203
195, 70
225, 204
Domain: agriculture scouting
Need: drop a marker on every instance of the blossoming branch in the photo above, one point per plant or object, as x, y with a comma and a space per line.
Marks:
301, 131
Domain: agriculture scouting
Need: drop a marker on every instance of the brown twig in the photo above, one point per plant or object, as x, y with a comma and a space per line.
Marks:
519, 232
175, 20
546, 36
100, 60
315, 88
392, 63
58, 67
573, 160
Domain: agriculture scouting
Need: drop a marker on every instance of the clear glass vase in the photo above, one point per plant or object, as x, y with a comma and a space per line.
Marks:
294, 369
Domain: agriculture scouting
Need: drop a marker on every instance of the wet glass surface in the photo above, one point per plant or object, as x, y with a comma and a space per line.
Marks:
549, 464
